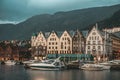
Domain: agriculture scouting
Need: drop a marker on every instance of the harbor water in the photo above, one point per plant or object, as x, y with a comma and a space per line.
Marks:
17, 72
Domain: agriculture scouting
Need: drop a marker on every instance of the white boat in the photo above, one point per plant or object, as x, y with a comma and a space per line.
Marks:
29, 61
26, 63
95, 67
10, 62
52, 64
92, 67
115, 61
105, 67
110, 63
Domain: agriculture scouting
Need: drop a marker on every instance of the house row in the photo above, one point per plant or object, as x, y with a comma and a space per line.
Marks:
15, 50
59, 42
95, 42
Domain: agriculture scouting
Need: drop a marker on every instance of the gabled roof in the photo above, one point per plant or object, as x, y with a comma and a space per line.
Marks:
117, 34
101, 33
59, 33
85, 33
72, 33
51, 33
47, 34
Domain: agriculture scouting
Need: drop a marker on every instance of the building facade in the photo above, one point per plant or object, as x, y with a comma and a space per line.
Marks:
53, 43
65, 43
38, 45
115, 37
98, 44
78, 43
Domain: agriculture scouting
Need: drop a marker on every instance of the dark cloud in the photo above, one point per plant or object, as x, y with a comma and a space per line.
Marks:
21, 9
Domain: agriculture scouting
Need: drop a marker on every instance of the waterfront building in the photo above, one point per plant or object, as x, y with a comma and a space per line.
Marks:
40, 40
8, 52
98, 43
33, 40
115, 37
66, 42
2, 51
53, 43
38, 45
78, 42
15, 50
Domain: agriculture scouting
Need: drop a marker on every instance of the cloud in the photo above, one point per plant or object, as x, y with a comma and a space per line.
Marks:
53, 3
22, 9
7, 21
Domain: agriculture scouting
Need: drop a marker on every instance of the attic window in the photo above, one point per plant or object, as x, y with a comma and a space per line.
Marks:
65, 34
93, 33
53, 35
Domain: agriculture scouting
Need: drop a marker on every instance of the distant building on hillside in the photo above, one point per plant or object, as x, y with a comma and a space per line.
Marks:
112, 30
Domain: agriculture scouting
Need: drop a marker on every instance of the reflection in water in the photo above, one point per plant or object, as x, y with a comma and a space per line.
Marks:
18, 72
48, 75
14, 72
96, 75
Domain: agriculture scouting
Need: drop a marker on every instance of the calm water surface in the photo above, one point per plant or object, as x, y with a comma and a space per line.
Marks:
18, 72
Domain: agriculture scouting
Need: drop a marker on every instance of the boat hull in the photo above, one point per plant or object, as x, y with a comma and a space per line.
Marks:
10, 63
46, 68
92, 69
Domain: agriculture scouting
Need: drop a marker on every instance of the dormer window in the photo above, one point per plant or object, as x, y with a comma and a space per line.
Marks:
93, 33
65, 34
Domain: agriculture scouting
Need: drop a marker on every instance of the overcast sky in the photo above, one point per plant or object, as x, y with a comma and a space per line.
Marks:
17, 10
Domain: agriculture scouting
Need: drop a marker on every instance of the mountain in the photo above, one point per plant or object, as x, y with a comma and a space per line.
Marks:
113, 21
60, 21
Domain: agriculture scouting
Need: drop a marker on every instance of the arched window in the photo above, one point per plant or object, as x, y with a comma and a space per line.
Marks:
99, 47
88, 47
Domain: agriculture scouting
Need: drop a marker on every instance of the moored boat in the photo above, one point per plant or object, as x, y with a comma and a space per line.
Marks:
114, 65
73, 65
91, 67
10, 62
105, 67
26, 63
29, 61
52, 64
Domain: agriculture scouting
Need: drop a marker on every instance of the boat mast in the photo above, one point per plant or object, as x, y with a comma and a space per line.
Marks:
104, 53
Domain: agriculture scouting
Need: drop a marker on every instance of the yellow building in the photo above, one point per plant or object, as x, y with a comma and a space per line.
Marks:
38, 44
53, 43
66, 42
